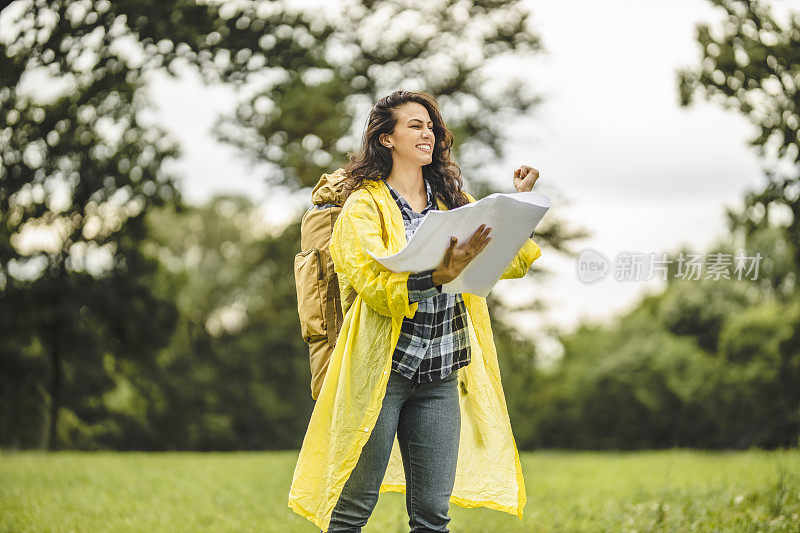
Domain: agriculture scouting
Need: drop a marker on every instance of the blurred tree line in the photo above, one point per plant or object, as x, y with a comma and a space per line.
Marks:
129, 319
186, 335
708, 363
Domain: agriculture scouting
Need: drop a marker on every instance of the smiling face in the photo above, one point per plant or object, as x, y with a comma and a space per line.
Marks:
412, 139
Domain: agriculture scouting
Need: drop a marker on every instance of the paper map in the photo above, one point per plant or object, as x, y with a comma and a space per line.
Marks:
512, 217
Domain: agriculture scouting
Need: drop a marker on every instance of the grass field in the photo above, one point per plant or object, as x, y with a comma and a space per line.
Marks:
675, 490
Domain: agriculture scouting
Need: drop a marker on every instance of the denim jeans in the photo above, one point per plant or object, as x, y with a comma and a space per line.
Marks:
427, 421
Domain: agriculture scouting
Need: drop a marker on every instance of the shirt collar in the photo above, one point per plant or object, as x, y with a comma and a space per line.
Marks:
402, 203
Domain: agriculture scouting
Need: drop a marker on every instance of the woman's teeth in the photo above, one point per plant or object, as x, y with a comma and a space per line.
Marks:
424, 147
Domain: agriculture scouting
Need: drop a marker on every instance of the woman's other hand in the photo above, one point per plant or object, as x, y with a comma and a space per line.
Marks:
524, 178
456, 257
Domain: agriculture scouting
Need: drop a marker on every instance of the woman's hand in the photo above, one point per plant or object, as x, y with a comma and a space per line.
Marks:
524, 178
456, 258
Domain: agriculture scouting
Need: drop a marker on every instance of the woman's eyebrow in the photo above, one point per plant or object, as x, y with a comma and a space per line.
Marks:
418, 120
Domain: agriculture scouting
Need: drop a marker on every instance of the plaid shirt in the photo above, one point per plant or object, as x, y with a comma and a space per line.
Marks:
436, 341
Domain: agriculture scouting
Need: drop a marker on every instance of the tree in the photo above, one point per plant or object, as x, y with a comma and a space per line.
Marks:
236, 374
301, 122
755, 346
712, 364
81, 161
751, 64
81, 165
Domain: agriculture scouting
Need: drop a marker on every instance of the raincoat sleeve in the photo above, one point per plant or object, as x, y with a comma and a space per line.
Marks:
356, 230
519, 266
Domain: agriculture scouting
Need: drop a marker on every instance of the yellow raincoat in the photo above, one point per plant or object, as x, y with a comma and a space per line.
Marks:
489, 472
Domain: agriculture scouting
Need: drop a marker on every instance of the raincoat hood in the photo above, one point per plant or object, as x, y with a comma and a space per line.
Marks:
489, 472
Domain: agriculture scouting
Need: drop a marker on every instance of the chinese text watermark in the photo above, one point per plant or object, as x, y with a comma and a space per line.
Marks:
593, 266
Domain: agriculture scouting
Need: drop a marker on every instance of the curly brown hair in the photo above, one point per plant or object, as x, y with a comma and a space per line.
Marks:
373, 161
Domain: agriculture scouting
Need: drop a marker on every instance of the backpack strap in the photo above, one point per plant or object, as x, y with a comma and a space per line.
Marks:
351, 298
333, 311
334, 308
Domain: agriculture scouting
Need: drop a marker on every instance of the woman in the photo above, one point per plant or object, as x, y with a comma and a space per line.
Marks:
412, 399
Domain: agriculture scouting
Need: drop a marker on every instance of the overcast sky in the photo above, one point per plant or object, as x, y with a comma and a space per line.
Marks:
617, 154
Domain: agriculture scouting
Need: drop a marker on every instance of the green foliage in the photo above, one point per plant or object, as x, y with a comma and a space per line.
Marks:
705, 364
750, 64
81, 164
755, 336
765, 362
778, 274
699, 308
187, 336
235, 375
301, 122
133, 354
620, 388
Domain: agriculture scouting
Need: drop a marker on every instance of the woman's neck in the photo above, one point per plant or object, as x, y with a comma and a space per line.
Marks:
407, 180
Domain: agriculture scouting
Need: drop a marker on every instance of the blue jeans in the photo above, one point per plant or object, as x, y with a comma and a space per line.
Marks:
427, 421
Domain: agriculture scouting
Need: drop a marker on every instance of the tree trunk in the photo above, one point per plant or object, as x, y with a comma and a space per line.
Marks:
55, 391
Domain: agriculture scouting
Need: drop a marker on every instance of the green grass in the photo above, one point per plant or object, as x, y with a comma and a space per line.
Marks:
675, 490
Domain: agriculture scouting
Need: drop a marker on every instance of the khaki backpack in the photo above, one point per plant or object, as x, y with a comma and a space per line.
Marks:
318, 299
